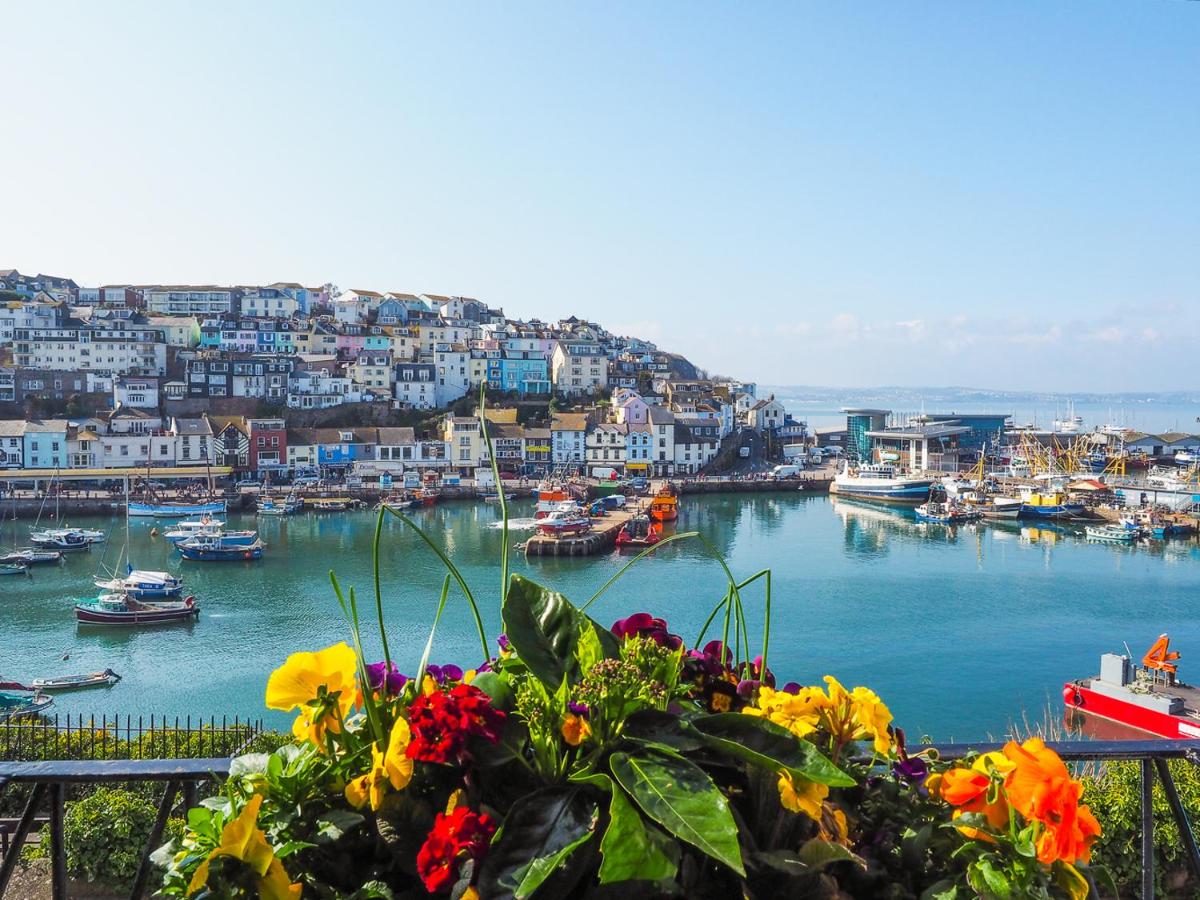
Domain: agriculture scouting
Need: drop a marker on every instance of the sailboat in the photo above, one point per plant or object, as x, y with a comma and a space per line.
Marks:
140, 584
63, 538
27, 556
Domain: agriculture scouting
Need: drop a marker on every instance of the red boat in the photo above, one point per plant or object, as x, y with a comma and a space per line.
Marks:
1148, 699
638, 532
119, 609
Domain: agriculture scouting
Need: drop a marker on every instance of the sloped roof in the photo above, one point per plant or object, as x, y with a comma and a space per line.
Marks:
391, 436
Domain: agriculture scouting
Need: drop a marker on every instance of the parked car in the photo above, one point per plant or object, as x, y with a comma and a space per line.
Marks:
246, 483
306, 481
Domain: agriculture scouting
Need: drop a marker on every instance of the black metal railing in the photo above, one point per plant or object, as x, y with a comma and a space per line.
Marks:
50, 779
125, 737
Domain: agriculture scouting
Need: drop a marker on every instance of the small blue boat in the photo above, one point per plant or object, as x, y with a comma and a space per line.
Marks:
176, 510
214, 548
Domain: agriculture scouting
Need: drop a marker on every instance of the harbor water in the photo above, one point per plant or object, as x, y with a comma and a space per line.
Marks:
961, 630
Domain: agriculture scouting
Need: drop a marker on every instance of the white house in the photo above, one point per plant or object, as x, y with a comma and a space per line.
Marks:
568, 439
139, 393
766, 415
121, 349
269, 303
639, 448
692, 452
193, 441
415, 385
452, 362
578, 369
191, 300
12, 433
606, 446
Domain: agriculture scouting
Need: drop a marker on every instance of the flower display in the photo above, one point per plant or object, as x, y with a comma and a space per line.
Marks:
322, 685
389, 767
244, 841
442, 721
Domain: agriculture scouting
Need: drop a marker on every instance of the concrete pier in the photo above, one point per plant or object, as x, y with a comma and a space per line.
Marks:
602, 537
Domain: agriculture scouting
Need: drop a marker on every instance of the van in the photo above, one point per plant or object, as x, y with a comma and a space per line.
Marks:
744, 452
785, 471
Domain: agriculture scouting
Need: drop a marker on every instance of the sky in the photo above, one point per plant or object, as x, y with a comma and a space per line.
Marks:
859, 193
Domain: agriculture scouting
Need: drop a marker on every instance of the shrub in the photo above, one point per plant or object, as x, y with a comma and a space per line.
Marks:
105, 834
1114, 794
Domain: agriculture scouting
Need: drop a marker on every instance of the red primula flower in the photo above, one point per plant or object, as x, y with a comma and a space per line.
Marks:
442, 721
455, 838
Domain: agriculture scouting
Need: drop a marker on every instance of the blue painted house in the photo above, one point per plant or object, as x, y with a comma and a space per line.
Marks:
523, 371
45, 444
340, 448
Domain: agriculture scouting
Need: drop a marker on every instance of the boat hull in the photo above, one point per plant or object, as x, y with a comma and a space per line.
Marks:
88, 616
176, 510
225, 554
913, 493
1080, 697
1063, 511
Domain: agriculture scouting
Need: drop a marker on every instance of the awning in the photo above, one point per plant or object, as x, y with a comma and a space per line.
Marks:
637, 465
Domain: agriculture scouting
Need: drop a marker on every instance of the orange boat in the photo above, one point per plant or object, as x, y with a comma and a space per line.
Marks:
665, 505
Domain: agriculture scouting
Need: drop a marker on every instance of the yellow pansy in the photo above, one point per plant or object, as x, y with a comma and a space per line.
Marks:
323, 685
390, 767
873, 717
804, 796
243, 840
799, 713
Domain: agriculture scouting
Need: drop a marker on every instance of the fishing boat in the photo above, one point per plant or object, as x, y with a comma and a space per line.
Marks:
117, 608
18, 700
142, 584
13, 569
639, 531
1149, 698
1048, 505
268, 506
881, 482
428, 496
946, 512
991, 506
177, 510
1112, 534
32, 557
549, 496
216, 548
565, 522
395, 501
75, 682
664, 506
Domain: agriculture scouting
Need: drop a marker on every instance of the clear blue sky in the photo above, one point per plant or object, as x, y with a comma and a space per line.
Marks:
999, 194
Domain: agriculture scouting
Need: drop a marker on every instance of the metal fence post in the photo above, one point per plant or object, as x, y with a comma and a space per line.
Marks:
1147, 830
1186, 834
58, 850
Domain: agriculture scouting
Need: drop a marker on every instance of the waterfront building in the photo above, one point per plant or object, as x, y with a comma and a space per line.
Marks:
508, 443
538, 452
606, 446
568, 433
230, 442
12, 443
339, 448
45, 444
192, 300
302, 454
193, 439
766, 415
982, 428
578, 368
639, 448
692, 451
858, 423
268, 446
920, 447
464, 442
662, 423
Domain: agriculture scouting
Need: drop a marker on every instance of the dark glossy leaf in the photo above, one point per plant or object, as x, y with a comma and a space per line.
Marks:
540, 826
544, 627
336, 822
652, 726
678, 795
495, 687
633, 849
763, 743
818, 854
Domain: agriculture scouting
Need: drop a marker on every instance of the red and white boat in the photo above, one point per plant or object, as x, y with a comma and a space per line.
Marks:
566, 520
1125, 699
549, 495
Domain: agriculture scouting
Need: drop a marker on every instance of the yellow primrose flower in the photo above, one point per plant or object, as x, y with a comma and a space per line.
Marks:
873, 717
799, 713
391, 767
806, 796
323, 685
242, 839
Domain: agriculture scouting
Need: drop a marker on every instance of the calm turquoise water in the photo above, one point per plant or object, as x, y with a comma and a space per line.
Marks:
960, 630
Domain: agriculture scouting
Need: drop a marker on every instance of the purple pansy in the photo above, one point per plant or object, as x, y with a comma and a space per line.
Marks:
442, 674
375, 677
580, 709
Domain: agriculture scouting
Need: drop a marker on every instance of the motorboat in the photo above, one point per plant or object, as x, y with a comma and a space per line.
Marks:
13, 569
181, 531
268, 506
992, 506
1149, 699
881, 482
18, 700
946, 512
32, 557
396, 501
176, 510
142, 584
639, 531
117, 608
330, 504
91, 535
217, 548
1186, 457
564, 522
664, 506
1112, 534
76, 682
1048, 504
64, 540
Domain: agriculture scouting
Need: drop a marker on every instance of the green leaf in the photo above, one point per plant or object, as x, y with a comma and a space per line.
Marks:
943, 890
985, 878
495, 687
678, 795
285, 850
544, 627
654, 727
333, 824
762, 743
632, 849
538, 827
818, 854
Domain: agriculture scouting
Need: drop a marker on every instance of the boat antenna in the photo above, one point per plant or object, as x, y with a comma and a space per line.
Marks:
1128, 652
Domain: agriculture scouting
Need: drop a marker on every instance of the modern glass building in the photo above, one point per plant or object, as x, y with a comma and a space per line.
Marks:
858, 423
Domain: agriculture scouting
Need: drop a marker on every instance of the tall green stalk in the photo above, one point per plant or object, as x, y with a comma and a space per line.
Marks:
499, 493
387, 656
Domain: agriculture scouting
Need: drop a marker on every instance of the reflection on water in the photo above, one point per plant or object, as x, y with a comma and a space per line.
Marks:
997, 602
